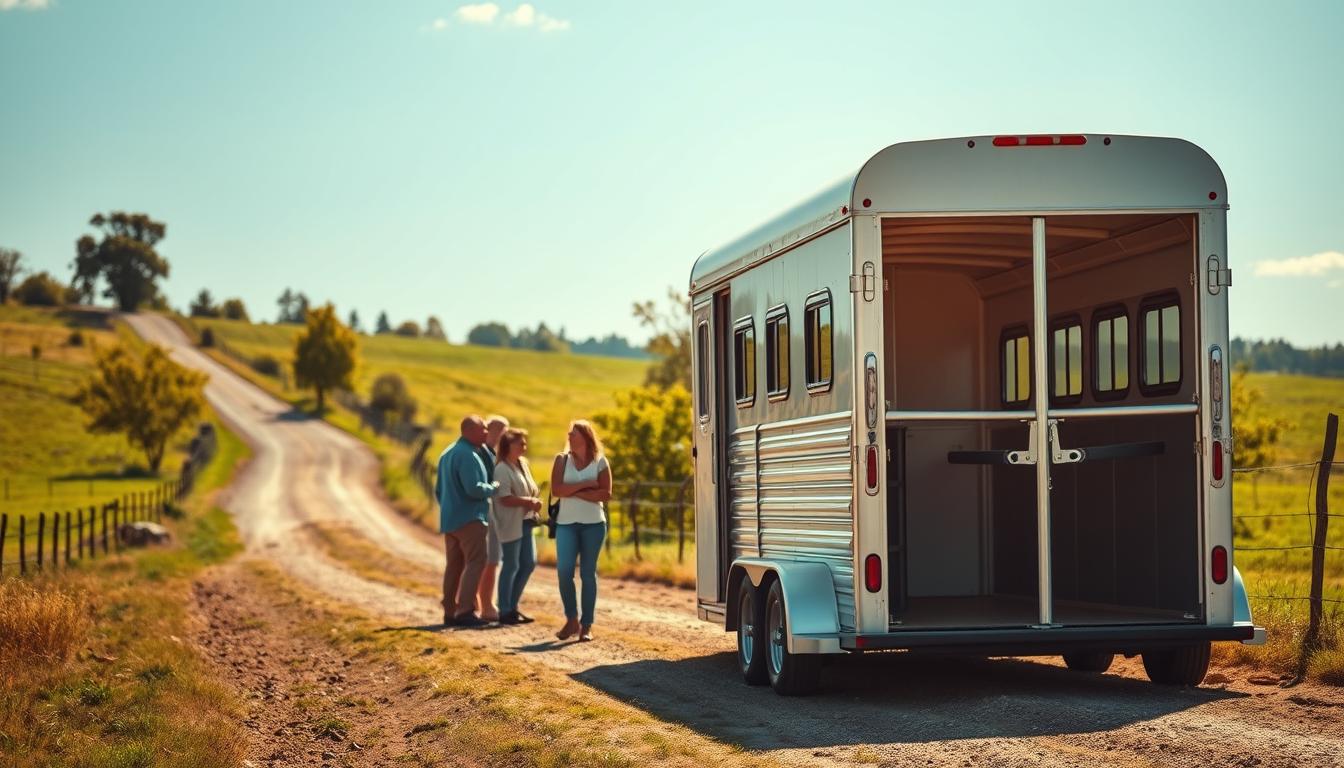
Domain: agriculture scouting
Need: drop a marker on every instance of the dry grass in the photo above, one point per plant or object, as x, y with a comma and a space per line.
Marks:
657, 562
39, 626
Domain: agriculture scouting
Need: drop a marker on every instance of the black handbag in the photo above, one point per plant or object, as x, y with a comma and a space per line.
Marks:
553, 507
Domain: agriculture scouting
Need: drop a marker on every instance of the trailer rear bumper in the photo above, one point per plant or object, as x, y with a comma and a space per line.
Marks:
1053, 641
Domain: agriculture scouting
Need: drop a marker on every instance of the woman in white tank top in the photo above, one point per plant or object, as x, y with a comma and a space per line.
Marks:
581, 478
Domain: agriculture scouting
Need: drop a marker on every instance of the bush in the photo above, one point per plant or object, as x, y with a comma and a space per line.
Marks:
41, 290
208, 337
409, 328
266, 365
39, 625
390, 398
234, 309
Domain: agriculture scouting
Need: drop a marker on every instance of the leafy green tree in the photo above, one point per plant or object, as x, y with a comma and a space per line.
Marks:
235, 309
9, 271
325, 354
648, 435
353, 322
204, 305
490, 335
40, 289
1256, 435
434, 329
147, 397
293, 307
543, 339
410, 329
391, 399
671, 340
125, 259
382, 326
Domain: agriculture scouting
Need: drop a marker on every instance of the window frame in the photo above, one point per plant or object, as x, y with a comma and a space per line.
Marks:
745, 327
1015, 332
1064, 322
1159, 302
816, 300
1099, 316
773, 317
702, 351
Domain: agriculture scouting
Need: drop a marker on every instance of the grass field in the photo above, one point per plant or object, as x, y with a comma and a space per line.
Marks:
47, 461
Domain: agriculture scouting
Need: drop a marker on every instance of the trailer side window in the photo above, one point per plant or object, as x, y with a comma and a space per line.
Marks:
1015, 366
1161, 350
702, 369
744, 363
1066, 360
817, 340
777, 353
1110, 353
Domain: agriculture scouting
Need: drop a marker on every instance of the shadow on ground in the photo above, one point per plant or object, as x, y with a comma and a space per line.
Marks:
891, 699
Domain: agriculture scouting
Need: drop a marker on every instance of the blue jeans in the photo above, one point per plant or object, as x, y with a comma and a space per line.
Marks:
579, 543
520, 557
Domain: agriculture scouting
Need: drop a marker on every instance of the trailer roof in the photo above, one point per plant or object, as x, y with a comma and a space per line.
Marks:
988, 175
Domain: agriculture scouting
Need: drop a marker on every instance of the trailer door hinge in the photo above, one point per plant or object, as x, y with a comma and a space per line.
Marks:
865, 282
1219, 277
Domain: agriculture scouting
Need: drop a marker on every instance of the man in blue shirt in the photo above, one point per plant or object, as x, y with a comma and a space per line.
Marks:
464, 488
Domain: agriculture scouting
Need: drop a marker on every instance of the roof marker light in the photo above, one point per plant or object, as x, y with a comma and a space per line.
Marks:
1213, 195
1006, 141
1064, 140
867, 203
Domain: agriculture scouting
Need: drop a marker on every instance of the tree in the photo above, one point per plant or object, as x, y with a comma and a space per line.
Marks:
204, 305
354, 322
490, 335
671, 341
434, 329
390, 399
542, 340
147, 397
235, 309
9, 271
383, 326
648, 435
410, 329
125, 259
1255, 436
293, 307
324, 354
40, 289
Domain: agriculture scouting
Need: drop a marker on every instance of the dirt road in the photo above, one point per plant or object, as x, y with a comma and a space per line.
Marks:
653, 653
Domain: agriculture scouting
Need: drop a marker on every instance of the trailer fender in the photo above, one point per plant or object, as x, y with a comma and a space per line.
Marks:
1241, 610
809, 600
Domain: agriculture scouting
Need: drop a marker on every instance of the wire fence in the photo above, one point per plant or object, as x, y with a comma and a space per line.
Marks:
49, 540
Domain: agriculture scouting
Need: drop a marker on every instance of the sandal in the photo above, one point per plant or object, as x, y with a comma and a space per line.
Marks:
568, 631
586, 635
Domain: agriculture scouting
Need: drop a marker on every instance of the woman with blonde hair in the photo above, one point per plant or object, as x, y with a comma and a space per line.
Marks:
516, 506
581, 478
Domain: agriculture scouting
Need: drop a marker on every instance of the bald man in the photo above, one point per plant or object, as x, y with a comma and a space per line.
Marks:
464, 489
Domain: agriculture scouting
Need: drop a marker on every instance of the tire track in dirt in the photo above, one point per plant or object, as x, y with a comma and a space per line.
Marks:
653, 653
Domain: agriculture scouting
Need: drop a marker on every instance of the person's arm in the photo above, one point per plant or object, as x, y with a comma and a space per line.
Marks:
603, 490
508, 489
558, 485
471, 474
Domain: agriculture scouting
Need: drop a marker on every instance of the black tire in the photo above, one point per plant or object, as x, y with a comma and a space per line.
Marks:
1096, 662
751, 650
791, 674
1186, 665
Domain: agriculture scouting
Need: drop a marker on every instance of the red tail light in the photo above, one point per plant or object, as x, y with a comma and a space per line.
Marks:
1067, 140
872, 573
1006, 141
1218, 566
872, 469
1217, 461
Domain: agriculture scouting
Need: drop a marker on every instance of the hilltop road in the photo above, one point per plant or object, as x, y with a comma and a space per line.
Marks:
653, 653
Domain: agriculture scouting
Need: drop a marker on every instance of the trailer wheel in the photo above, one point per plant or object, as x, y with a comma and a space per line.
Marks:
1089, 662
791, 674
751, 650
1186, 665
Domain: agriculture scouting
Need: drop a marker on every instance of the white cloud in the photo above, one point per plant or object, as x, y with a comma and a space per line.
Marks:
1301, 266
524, 15
27, 5
438, 25
480, 13
548, 24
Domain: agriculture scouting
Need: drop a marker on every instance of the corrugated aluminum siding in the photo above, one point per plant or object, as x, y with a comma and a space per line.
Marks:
792, 497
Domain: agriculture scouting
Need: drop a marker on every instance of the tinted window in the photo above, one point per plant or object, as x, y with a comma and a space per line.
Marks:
702, 368
777, 354
1111, 353
1015, 367
1161, 347
817, 339
744, 364
1066, 361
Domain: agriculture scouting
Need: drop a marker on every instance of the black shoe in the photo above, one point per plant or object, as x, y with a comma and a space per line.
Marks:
470, 620
523, 618
447, 619
511, 617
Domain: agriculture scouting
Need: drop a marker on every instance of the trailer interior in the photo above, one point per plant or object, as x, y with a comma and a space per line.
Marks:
1125, 527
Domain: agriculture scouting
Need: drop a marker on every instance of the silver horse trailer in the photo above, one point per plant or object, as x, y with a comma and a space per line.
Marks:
973, 399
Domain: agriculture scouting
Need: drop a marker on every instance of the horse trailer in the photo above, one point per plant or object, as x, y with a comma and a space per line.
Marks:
986, 412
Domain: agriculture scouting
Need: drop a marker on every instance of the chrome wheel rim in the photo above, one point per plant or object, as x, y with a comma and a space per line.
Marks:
746, 631
775, 626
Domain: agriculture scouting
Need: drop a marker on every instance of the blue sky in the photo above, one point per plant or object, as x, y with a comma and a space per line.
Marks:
559, 160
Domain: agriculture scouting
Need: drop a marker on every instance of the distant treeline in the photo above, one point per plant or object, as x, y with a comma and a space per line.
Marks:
543, 339
1279, 355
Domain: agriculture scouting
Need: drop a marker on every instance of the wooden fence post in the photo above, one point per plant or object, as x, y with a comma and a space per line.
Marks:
23, 548
93, 532
681, 521
104, 530
633, 511
79, 531
4, 526
67, 537
41, 541
55, 539
116, 525
1312, 639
